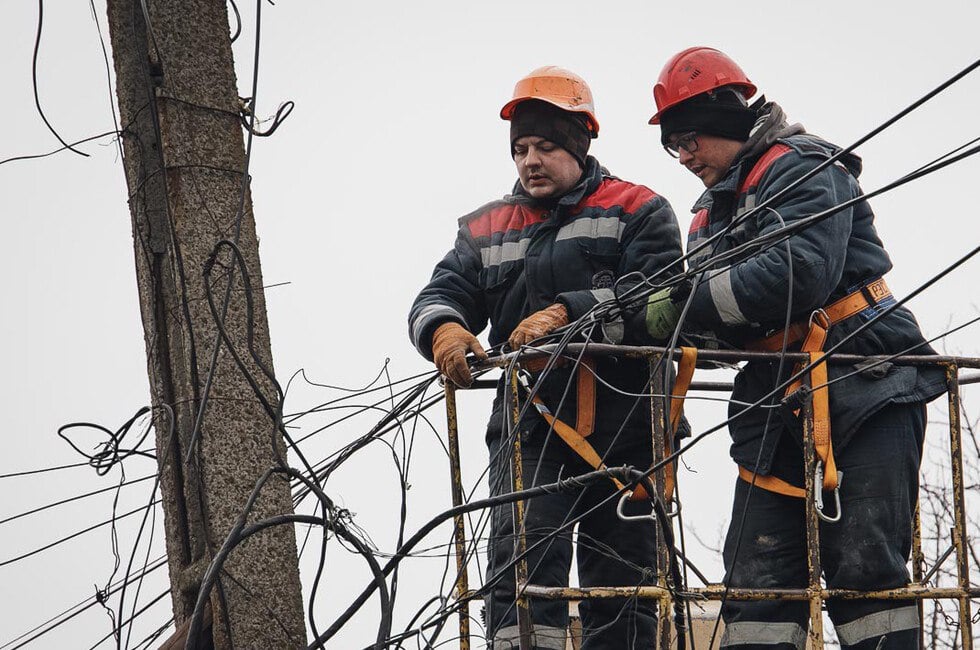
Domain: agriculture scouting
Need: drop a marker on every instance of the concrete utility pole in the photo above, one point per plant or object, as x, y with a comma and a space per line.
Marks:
184, 161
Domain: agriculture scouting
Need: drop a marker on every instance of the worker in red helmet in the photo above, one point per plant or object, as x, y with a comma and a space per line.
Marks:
541, 257
821, 288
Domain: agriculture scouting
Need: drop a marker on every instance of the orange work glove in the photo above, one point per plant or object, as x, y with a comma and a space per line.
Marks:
538, 324
450, 343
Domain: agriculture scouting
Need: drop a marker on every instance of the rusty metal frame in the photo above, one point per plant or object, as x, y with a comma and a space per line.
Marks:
659, 418
459, 524
959, 505
815, 594
517, 520
814, 570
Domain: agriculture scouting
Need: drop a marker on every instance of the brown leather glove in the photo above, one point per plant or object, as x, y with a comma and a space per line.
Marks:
538, 324
450, 343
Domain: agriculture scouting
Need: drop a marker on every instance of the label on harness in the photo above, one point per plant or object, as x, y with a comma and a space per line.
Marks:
878, 295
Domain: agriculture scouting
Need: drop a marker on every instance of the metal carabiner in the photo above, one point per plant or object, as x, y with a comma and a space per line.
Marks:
676, 510
818, 495
522, 378
625, 517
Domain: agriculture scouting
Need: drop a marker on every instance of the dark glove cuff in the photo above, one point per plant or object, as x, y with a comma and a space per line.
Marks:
681, 291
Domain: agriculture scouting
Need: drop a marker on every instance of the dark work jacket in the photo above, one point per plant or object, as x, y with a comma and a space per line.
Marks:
826, 261
514, 256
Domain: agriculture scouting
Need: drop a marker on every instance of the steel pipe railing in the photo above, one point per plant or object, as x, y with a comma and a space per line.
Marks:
815, 594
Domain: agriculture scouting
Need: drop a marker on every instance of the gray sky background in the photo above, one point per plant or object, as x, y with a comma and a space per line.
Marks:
395, 134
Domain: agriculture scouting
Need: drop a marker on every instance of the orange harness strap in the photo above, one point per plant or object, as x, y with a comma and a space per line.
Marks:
573, 439
585, 390
585, 399
685, 371
813, 346
576, 438
837, 311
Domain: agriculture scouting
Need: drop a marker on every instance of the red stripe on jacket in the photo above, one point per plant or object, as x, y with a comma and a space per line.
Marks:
612, 192
504, 218
762, 165
700, 220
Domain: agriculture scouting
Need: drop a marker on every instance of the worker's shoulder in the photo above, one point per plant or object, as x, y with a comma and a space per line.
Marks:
614, 192
507, 203
804, 145
804, 151
500, 219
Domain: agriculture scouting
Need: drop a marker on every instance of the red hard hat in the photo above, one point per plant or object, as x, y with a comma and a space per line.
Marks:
694, 71
558, 86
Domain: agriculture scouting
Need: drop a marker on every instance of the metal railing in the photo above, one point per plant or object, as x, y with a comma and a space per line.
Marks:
665, 594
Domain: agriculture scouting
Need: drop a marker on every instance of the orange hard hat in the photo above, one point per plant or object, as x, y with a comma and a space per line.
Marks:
694, 71
558, 86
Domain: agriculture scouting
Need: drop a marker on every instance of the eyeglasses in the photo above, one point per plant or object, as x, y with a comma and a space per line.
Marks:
687, 141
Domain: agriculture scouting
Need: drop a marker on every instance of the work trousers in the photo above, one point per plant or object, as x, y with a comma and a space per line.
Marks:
610, 551
867, 549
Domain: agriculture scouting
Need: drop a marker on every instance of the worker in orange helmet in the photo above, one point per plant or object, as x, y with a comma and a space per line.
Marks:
763, 174
530, 263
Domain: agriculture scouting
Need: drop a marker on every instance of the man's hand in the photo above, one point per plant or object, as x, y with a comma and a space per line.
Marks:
538, 324
450, 343
662, 315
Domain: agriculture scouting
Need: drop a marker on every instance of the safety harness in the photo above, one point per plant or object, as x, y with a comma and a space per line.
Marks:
576, 438
814, 335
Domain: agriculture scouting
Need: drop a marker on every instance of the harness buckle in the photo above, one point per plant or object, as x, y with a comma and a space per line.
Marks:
818, 495
820, 317
522, 379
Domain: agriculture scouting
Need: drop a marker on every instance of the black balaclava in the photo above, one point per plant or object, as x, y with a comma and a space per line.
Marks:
722, 113
568, 130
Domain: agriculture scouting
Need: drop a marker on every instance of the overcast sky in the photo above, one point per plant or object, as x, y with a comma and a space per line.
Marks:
395, 134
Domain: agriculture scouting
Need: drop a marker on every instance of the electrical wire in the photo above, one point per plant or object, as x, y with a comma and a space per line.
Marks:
884, 360
751, 213
111, 454
397, 415
169, 444
239, 217
131, 618
108, 79
784, 345
37, 97
44, 470
919, 172
238, 21
72, 536
77, 497
75, 610
573, 483
60, 149
241, 531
